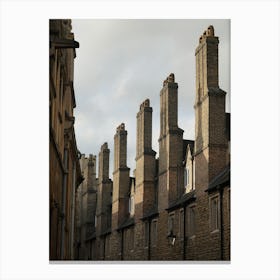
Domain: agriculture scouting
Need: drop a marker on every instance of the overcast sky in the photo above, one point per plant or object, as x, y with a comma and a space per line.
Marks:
120, 63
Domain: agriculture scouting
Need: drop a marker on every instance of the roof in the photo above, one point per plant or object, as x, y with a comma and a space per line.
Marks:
127, 223
151, 214
221, 180
106, 231
182, 201
90, 237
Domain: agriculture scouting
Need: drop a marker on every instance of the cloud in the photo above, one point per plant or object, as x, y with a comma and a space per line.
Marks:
120, 63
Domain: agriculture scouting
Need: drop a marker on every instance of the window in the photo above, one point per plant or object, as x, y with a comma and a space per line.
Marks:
214, 213
186, 177
108, 245
146, 234
154, 232
191, 221
109, 216
101, 249
131, 238
95, 221
131, 205
171, 223
181, 224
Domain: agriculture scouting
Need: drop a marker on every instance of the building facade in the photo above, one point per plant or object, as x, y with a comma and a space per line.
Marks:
64, 173
176, 206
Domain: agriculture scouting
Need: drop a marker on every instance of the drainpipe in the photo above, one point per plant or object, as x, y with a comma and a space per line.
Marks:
90, 249
185, 239
222, 220
78, 251
122, 244
63, 204
149, 240
104, 247
192, 173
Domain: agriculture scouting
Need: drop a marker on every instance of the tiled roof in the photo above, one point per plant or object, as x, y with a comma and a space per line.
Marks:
151, 214
106, 231
223, 178
90, 237
127, 223
181, 201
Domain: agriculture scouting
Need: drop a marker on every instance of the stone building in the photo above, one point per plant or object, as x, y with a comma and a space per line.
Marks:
65, 172
177, 206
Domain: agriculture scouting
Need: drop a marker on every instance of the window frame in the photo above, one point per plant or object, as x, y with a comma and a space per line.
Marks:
214, 214
154, 230
191, 221
171, 226
181, 224
131, 205
186, 177
131, 240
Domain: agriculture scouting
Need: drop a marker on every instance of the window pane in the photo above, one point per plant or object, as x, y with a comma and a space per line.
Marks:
214, 213
146, 234
191, 221
171, 223
132, 238
154, 233
181, 224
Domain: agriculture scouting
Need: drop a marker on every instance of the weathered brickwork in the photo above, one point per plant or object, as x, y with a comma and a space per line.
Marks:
176, 206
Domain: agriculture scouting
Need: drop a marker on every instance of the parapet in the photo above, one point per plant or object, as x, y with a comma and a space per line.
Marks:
169, 79
207, 33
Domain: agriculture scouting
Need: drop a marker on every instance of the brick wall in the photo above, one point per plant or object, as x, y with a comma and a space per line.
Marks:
201, 226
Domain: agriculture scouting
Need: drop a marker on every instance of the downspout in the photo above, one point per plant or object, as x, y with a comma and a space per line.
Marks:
222, 220
90, 249
63, 206
78, 251
149, 240
193, 173
104, 247
122, 244
185, 238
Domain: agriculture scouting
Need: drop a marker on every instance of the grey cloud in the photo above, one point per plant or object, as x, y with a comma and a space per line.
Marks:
120, 63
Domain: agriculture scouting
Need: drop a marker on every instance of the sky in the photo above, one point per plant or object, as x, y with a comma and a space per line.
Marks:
120, 63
